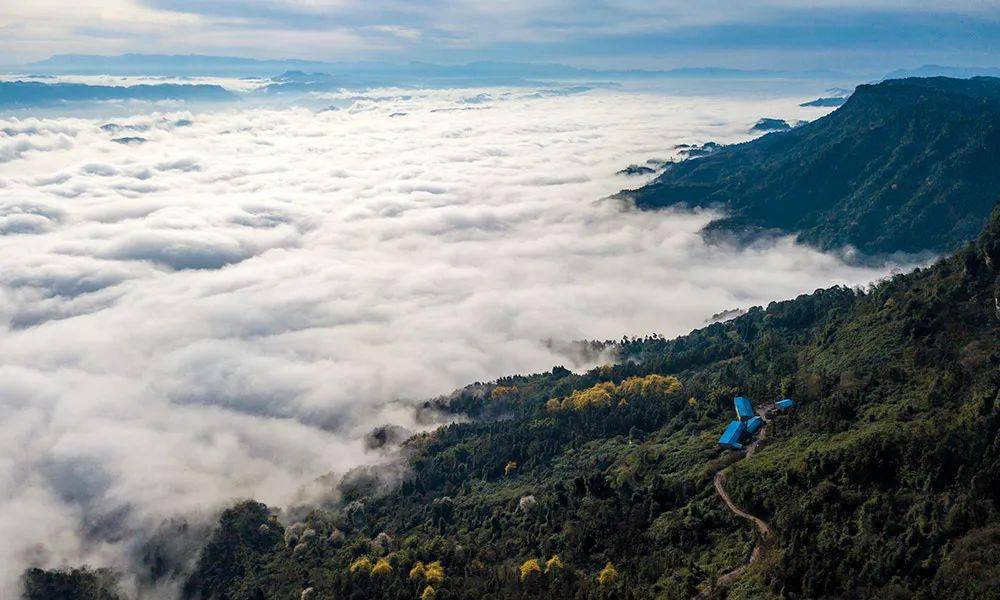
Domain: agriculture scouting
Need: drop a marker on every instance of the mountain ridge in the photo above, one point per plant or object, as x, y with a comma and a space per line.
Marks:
196, 64
902, 166
17, 94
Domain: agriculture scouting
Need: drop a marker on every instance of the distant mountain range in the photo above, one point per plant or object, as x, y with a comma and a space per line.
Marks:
227, 66
16, 94
904, 165
379, 72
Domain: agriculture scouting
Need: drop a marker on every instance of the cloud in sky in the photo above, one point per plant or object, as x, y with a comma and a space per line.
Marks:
228, 309
652, 33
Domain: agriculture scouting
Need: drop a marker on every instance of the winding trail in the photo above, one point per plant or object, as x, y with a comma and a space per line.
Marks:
762, 526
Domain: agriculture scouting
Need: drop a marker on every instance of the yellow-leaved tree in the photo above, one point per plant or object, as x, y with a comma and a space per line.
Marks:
429, 593
362, 565
503, 392
530, 568
417, 572
382, 567
554, 564
650, 387
595, 396
434, 572
608, 575
656, 388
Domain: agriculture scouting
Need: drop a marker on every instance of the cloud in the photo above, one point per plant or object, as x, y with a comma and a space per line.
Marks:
284, 281
664, 32
189, 249
16, 144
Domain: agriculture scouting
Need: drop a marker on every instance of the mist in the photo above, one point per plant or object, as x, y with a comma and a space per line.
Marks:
226, 308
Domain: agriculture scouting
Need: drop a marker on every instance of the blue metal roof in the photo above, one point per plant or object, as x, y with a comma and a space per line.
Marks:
744, 410
731, 436
754, 424
786, 403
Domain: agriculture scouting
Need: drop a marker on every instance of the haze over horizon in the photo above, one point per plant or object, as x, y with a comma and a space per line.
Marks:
774, 34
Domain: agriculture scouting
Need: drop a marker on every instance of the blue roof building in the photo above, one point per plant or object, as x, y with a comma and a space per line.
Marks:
785, 404
731, 436
754, 424
744, 410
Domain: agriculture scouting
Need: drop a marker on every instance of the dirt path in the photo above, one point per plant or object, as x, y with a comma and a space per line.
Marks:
762, 526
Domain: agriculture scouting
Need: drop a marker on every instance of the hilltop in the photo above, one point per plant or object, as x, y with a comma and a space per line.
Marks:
904, 165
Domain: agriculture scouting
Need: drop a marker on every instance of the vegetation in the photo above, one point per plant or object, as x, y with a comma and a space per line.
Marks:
70, 584
903, 165
884, 483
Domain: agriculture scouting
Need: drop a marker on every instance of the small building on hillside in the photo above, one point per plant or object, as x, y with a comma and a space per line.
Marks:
732, 435
785, 404
744, 410
754, 424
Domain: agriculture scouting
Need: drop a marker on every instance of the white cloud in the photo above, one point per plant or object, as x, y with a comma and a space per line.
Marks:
234, 327
348, 29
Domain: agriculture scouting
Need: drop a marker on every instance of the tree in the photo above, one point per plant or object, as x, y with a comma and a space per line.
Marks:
239, 547
362, 565
554, 564
76, 584
530, 568
608, 575
382, 567
434, 573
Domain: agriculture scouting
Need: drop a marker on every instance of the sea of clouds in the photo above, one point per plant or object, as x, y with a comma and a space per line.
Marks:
224, 310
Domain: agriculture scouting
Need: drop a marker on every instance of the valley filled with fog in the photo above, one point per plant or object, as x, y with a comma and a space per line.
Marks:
200, 306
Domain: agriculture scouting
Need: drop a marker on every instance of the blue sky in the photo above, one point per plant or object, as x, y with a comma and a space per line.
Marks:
876, 35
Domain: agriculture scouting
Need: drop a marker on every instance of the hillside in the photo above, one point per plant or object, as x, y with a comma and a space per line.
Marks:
904, 165
884, 484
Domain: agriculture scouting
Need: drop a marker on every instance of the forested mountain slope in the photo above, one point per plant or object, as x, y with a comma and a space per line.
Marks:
904, 165
885, 483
